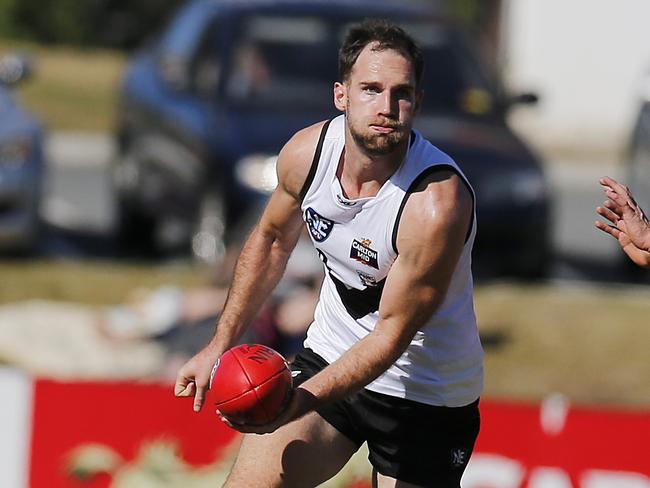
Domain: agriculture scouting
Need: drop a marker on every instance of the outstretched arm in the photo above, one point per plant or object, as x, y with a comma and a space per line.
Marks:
260, 265
626, 221
430, 240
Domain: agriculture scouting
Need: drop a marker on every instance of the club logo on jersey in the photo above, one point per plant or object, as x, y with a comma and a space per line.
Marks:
362, 252
459, 457
367, 279
319, 227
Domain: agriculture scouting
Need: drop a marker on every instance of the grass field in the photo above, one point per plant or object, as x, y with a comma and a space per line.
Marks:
96, 283
589, 343
71, 89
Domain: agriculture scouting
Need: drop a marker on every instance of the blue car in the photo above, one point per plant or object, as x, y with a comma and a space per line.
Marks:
21, 164
206, 107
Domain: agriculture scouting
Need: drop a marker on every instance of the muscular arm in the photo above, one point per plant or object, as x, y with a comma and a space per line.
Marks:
260, 265
259, 268
430, 240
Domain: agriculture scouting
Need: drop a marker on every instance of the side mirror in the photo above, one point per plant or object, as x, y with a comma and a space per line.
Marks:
175, 71
14, 68
526, 98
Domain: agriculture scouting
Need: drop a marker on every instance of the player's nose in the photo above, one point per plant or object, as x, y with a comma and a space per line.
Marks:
388, 104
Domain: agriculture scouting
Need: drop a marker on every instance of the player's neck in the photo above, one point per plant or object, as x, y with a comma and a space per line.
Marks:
362, 175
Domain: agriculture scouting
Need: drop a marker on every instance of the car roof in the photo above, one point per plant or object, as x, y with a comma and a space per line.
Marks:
182, 37
368, 7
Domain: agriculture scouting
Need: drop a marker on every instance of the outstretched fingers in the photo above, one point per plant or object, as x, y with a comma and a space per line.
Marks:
609, 213
614, 227
613, 185
607, 228
199, 397
618, 193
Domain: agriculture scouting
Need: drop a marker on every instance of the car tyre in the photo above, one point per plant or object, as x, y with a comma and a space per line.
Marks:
134, 230
208, 240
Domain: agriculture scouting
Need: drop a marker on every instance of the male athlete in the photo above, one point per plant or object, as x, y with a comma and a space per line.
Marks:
393, 356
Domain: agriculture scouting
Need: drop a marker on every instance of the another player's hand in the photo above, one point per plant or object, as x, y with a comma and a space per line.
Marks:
193, 378
627, 222
300, 402
626, 210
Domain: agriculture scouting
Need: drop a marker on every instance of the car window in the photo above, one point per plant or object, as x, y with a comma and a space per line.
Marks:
452, 78
292, 61
283, 60
205, 68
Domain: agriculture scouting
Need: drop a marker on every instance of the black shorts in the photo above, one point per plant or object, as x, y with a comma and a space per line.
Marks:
409, 441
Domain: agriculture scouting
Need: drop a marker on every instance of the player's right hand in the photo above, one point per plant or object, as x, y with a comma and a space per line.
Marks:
194, 377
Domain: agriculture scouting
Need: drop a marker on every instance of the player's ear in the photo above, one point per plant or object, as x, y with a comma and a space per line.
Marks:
340, 96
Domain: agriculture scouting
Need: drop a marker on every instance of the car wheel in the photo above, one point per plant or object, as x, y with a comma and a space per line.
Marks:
208, 237
134, 231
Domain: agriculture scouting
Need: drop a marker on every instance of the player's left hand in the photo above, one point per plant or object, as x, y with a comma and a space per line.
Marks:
300, 402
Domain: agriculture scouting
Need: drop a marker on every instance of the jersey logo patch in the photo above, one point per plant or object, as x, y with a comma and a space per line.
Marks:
459, 457
367, 279
362, 252
319, 227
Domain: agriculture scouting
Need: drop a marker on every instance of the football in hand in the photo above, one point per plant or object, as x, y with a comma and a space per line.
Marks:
250, 384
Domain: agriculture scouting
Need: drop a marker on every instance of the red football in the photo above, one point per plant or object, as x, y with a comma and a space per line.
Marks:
250, 384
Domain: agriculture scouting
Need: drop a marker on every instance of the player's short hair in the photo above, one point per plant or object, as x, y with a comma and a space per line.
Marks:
385, 35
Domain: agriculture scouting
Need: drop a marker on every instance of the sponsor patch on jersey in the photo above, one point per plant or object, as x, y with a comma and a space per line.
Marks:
319, 227
367, 279
362, 252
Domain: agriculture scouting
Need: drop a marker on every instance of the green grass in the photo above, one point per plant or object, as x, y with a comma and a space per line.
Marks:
92, 283
589, 343
71, 89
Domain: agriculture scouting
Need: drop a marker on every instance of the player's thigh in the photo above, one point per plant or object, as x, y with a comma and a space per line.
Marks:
301, 454
381, 481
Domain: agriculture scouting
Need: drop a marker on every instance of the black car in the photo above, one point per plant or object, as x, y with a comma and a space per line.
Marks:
208, 105
638, 171
639, 151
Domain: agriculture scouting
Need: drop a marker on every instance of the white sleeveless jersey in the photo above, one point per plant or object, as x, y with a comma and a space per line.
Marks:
356, 239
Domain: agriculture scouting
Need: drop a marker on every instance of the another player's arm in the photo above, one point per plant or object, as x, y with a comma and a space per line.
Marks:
430, 240
260, 265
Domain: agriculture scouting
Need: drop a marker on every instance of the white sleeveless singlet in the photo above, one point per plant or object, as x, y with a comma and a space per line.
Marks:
356, 239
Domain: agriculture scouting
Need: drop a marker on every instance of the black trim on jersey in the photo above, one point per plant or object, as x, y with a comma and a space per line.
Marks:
427, 172
413, 136
359, 303
314, 161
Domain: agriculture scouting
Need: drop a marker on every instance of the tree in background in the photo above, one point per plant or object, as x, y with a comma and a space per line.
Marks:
125, 24
122, 24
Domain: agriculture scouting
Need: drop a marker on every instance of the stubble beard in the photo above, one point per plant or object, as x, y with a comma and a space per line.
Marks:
378, 144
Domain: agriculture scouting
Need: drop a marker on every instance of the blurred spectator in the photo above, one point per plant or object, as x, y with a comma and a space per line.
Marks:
183, 320
627, 221
251, 73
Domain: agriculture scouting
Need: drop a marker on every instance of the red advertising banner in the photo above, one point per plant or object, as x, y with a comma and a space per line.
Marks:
77, 428
558, 446
120, 416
